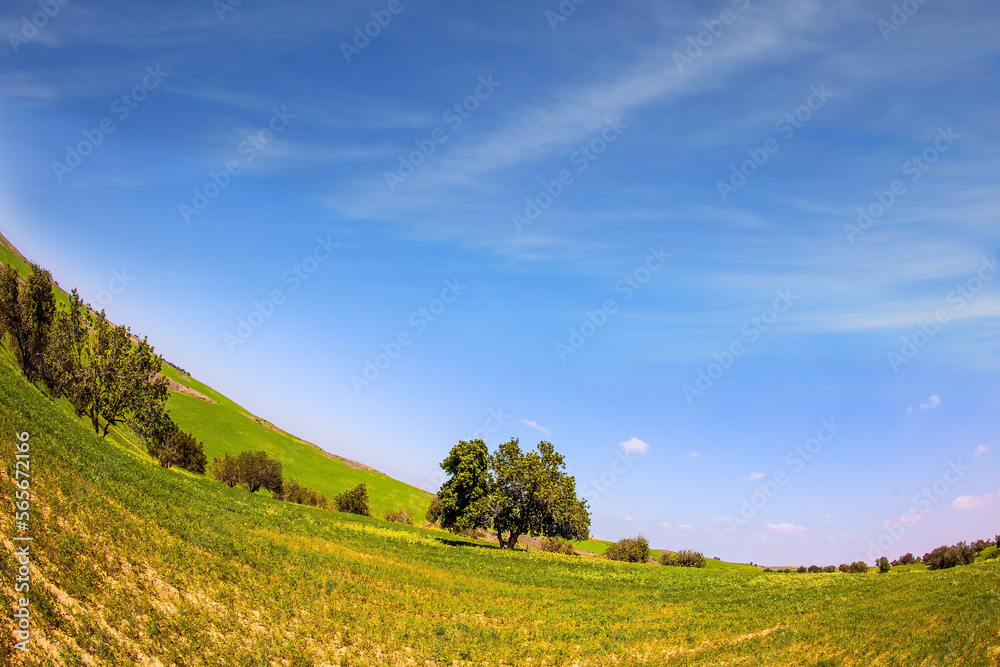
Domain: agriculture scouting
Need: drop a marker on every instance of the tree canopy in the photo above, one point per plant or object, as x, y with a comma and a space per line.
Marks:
512, 492
27, 312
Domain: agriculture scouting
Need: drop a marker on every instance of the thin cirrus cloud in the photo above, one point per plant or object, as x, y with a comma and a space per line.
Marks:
981, 449
754, 476
538, 427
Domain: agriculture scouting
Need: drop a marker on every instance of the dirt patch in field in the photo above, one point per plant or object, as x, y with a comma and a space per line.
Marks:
174, 385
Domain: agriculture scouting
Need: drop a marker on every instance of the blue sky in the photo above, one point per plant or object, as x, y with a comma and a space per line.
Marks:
634, 232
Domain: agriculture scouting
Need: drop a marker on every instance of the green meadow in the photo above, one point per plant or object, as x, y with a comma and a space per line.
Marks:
135, 564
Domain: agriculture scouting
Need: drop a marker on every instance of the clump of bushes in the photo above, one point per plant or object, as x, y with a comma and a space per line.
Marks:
557, 546
353, 501
254, 470
883, 565
399, 516
830, 568
944, 556
683, 558
906, 559
173, 447
993, 554
293, 492
629, 550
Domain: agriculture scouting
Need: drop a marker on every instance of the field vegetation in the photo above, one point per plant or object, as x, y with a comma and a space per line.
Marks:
132, 561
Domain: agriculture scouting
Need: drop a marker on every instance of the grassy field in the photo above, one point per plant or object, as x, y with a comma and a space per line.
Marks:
132, 563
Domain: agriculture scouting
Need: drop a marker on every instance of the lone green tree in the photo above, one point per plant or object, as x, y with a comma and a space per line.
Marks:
27, 313
512, 492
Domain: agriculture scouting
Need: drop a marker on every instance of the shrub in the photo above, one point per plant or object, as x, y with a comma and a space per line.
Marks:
801, 569
224, 470
254, 470
258, 470
353, 501
557, 546
883, 565
815, 568
857, 567
844, 567
173, 447
399, 516
629, 550
993, 554
905, 559
830, 568
683, 558
315, 498
434, 510
293, 492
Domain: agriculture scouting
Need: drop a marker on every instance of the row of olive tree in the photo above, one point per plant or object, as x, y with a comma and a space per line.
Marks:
108, 376
510, 492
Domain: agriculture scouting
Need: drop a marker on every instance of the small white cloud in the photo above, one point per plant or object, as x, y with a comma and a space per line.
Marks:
538, 427
931, 403
754, 476
665, 524
828, 519
971, 502
629, 519
634, 445
783, 527
722, 519
694, 455
909, 410
981, 449
684, 526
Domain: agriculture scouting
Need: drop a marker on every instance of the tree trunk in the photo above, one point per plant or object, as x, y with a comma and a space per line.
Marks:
500, 539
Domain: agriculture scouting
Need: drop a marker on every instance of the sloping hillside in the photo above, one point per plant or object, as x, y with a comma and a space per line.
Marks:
227, 428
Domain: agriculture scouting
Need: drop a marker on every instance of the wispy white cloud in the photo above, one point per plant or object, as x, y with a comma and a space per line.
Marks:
932, 402
538, 427
970, 502
754, 476
981, 449
634, 445
784, 527
694, 455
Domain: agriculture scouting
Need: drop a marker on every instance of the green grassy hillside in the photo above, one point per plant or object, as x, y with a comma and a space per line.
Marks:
135, 564
227, 428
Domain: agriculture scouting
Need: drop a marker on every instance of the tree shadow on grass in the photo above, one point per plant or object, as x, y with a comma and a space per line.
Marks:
462, 543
